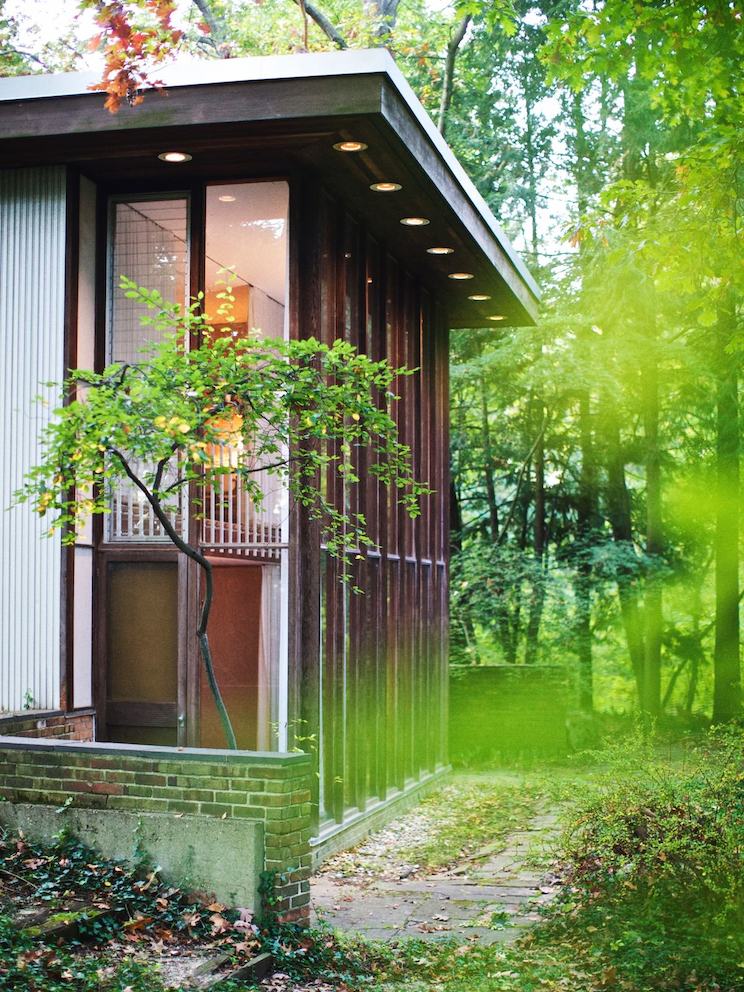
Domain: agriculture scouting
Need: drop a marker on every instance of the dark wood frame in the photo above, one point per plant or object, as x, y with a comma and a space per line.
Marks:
386, 652
377, 658
189, 664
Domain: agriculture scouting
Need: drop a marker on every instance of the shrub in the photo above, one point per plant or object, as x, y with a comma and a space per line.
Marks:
653, 864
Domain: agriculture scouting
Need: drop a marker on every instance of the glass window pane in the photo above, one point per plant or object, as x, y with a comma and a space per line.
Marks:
150, 246
246, 246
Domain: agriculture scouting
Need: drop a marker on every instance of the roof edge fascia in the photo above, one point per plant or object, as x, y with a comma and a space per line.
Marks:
350, 62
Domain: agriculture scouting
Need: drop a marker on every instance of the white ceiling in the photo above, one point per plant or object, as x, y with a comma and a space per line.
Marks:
250, 234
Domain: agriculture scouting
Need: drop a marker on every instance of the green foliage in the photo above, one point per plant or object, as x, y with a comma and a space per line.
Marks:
25, 965
68, 869
654, 863
297, 410
657, 827
136, 900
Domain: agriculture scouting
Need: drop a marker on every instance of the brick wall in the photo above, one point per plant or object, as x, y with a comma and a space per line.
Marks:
271, 788
507, 712
78, 726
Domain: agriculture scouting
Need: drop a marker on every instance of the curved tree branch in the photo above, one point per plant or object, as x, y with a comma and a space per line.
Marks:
449, 71
203, 562
217, 28
322, 21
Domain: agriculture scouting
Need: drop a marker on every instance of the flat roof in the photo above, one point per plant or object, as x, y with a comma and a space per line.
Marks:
19, 108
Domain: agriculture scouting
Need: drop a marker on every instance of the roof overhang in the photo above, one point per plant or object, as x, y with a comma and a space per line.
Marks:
290, 109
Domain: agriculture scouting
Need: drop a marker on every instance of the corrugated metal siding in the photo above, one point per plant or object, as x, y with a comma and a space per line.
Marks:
32, 273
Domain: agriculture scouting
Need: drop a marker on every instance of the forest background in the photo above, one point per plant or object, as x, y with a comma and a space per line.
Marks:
596, 457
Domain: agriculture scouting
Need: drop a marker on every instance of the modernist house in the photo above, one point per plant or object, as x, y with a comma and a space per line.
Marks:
323, 182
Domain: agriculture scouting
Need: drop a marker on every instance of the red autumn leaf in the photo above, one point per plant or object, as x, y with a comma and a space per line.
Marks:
133, 35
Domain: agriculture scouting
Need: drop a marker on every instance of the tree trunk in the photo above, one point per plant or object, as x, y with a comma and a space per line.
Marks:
531, 178
653, 616
726, 659
586, 503
195, 555
618, 511
493, 510
205, 650
537, 599
586, 523
449, 72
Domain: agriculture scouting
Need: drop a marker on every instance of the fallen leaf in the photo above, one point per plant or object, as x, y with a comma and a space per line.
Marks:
219, 924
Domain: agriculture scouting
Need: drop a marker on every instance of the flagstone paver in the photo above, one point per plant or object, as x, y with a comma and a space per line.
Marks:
492, 899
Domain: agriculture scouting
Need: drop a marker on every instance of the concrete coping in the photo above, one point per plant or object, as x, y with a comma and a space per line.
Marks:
9, 716
109, 749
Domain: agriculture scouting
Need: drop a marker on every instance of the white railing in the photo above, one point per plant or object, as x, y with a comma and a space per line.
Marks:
131, 517
231, 521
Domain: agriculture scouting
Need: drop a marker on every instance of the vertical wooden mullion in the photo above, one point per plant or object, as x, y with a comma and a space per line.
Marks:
184, 675
189, 577
388, 317
443, 551
377, 346
67, 562
339, 615
99, 564
306, 275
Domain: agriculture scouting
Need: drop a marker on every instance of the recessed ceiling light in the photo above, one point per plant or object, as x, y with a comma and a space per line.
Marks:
479, 297
174, 157
386, 187
350, 146
226, 198
440, 250
497, 316
414, 221
461, 275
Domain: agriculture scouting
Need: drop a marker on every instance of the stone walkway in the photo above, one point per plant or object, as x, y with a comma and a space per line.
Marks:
493, 897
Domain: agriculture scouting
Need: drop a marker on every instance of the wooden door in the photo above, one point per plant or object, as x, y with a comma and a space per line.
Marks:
141, 642
235, 640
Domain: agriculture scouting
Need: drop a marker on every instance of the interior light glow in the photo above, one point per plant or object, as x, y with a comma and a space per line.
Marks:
479, 297
440, 250
174, 157
414, 221
386, 187
461, 275
497, 316
226, 198
350, 146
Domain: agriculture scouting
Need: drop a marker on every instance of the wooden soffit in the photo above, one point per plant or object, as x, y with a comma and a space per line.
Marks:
277, 114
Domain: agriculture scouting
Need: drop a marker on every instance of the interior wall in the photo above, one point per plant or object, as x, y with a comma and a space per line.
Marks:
234, 638
84, 358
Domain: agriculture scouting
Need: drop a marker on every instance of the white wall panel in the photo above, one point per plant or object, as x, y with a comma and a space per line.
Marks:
82, 682
32, 281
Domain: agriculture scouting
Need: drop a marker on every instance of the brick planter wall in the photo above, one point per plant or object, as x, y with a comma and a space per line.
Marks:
502, 712
273, 789
77, 726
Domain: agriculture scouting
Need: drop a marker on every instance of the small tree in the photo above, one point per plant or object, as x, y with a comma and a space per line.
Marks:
293, 409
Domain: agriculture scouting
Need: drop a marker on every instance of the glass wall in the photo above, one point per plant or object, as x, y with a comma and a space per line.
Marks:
148, 244
246, 253
245, 257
